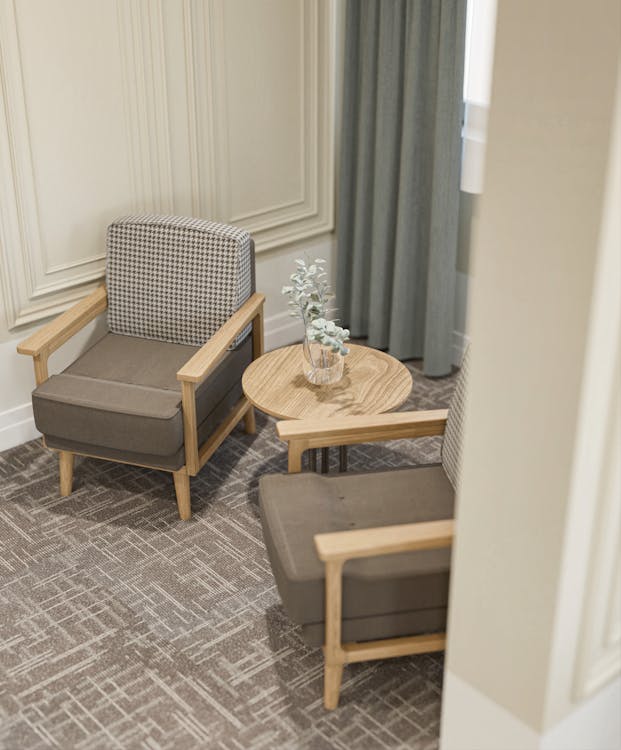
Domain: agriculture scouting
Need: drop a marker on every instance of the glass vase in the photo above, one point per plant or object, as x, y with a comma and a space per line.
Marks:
322, 366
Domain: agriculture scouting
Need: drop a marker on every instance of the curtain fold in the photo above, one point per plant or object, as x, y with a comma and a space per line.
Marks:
399, 175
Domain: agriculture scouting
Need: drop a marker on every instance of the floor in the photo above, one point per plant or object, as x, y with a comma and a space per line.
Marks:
122, 627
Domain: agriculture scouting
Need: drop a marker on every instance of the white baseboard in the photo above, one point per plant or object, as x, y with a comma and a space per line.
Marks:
460, 343
595, 724
17, 426
471, 719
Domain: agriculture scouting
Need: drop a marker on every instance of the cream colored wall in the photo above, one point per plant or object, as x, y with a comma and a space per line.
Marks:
222, 109
535, 631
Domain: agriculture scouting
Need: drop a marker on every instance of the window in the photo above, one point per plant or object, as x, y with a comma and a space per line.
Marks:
480, 34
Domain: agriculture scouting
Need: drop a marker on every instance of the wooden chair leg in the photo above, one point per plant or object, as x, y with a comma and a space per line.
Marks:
296, 449
65, 465
250, 424
182, 490
333, 674
333, 652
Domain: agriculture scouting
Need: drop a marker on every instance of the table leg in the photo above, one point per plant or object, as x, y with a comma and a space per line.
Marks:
325, 460
342, 458
312, 459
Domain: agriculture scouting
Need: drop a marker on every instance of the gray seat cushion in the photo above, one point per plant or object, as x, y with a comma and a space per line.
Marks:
121, 399
296, 507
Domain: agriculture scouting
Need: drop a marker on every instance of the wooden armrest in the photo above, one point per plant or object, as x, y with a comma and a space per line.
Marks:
384, 540
321, 433
48, 338
196, 369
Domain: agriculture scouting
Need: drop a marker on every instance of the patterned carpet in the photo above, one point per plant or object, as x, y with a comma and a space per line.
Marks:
122, 627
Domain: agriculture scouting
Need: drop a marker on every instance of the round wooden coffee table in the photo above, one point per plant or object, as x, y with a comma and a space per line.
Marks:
373, 382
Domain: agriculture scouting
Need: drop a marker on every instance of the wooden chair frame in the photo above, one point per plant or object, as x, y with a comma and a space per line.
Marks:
335, 548
51, 336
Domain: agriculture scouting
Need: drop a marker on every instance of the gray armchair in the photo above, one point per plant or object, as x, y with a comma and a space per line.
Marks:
162, 388
362, 561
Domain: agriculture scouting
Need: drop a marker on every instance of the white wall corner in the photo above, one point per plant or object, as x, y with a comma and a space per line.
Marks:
17, 426
473, 721
479, 723
594, 725
282, 330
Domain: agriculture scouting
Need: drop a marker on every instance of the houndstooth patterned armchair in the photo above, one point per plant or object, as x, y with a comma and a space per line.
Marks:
162, 388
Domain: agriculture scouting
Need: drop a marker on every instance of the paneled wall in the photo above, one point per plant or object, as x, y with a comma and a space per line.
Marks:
216, 108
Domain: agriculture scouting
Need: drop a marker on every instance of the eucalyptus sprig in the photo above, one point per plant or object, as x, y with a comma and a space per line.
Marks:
309, 294
328, 333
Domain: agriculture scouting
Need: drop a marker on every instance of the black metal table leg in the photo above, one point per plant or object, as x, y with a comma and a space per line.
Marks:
342, 458
325, 460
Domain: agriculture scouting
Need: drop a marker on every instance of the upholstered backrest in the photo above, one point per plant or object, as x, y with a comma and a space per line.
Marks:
451, 445
176, 279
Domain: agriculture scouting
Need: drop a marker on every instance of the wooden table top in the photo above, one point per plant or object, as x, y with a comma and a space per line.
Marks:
373, 382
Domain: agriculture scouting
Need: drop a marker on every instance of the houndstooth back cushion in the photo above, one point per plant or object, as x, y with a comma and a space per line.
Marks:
176, 279
451, 445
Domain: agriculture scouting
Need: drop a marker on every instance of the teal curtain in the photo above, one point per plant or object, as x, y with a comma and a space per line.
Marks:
399, 175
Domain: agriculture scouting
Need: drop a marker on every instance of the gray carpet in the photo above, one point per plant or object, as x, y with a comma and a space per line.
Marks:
122, 627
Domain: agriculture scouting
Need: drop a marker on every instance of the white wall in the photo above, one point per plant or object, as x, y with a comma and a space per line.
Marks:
534, 643
220, 109
480, 35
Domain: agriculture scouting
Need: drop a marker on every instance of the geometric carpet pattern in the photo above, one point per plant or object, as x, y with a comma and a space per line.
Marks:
123, 627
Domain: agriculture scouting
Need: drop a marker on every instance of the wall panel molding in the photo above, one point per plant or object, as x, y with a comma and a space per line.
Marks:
597, 481
20, 241
199, 66
590, 610
172, 124
306, 212
33, 287
599, 652
141, 30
